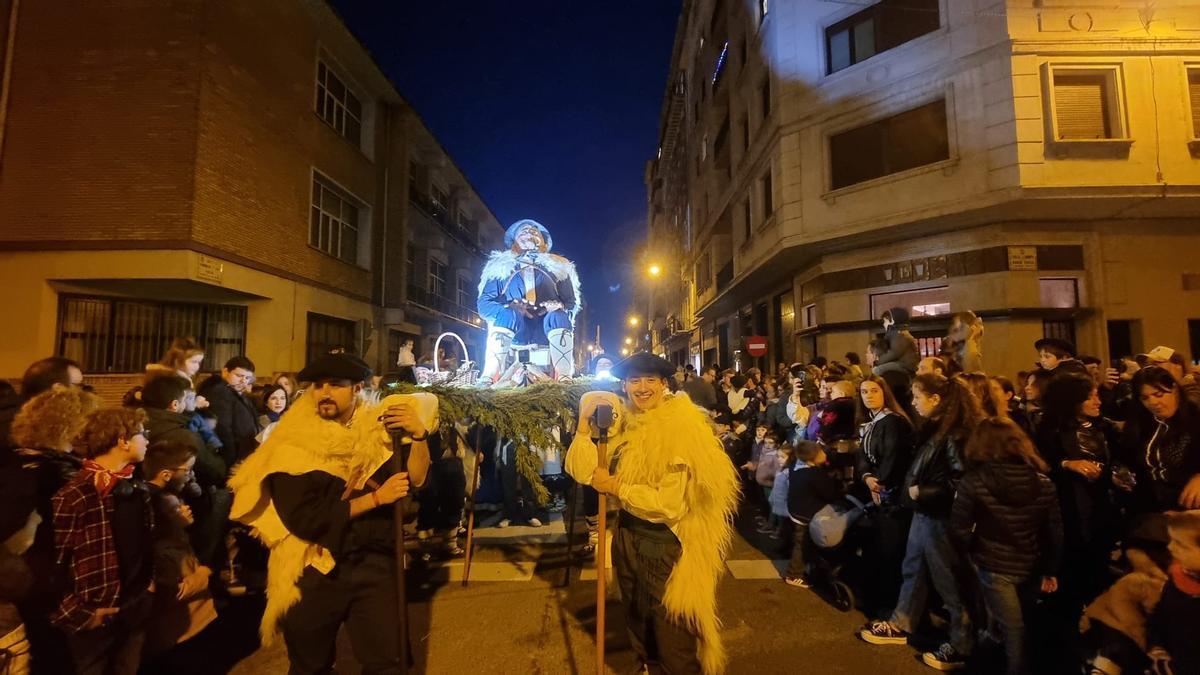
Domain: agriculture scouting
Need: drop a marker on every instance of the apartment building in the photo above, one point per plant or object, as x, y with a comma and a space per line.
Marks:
1036, 162
237, 172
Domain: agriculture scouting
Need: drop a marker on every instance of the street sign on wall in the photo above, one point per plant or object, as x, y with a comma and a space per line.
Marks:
756, 345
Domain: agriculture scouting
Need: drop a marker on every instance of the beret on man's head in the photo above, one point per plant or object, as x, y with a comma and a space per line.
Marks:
336, 367
643, 363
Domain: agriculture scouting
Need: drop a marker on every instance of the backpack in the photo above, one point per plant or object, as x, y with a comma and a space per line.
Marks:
829, 525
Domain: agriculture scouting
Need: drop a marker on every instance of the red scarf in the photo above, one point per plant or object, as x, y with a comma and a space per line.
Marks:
1184, 580
104, 479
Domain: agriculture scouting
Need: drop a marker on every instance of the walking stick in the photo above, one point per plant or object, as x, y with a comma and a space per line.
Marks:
400, 452
603, 420
471, 508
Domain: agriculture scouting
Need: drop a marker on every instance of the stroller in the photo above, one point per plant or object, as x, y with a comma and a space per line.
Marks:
835, 531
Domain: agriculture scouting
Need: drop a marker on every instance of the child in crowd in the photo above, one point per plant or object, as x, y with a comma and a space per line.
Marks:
747, 471
779, 499
810, 488
1171, 632
768, 465
183, 605
1006, 519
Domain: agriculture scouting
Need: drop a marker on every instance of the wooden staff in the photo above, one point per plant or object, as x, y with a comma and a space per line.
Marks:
570, 522
400, 451
471, 507
603, 420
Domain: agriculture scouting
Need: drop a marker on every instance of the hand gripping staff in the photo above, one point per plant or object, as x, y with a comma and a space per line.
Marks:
602, 420
400, 451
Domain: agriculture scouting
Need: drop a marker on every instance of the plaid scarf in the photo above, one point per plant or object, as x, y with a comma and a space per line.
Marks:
104, 479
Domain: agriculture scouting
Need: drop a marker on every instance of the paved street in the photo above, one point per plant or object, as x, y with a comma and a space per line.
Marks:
515, 618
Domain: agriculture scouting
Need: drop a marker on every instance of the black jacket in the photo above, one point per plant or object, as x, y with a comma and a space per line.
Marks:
1166, 455
810, 488
164, 425
777, 416
9, 407
237, 420
28, 479
935, 471
1006, 518
885, 452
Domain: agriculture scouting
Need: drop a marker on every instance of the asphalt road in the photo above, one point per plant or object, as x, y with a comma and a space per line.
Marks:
516, 617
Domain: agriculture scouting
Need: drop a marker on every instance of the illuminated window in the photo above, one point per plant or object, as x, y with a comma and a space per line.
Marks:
337, 105
334, 220
876, 29
1086, 104
921, 302
1194, 99
905, 141
1060, 293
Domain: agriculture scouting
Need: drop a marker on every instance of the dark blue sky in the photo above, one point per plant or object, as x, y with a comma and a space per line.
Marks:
549, 107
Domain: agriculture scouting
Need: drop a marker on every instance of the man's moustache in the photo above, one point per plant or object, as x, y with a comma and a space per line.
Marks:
329, 401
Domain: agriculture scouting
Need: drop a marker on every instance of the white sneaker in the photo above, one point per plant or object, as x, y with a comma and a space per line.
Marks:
504, 522
534, 522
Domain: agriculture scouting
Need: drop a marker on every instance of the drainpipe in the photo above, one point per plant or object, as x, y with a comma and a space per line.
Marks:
6, 83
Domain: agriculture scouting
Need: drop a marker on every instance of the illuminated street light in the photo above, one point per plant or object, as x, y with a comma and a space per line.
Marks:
633, 321
628, 340
624, 352
654, 270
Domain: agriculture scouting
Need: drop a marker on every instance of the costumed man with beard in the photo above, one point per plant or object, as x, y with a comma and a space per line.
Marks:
319, 493
528, 296
678, 492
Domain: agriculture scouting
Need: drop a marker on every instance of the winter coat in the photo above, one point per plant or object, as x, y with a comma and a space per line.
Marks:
810, 489
1086, 505
902, 346
1166, 455
768, 465
164, 425
1006, 518
779, 492
885, 451
1127, 605
237, 420
835, 420
29, 478
935, 471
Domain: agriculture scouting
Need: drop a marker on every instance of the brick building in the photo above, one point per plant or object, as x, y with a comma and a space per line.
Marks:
239, 172
820, 162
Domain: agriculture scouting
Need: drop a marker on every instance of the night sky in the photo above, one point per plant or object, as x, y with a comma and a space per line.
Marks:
549, 108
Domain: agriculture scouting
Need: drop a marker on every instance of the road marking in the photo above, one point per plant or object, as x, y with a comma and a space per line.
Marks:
756, 569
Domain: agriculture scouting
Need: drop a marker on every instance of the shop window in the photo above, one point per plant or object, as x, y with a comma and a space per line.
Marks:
921, 302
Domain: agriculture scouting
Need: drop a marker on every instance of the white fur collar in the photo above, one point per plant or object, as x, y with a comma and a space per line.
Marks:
502, 264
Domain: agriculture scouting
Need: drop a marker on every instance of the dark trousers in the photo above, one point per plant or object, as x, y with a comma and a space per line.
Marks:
359, 593
802, 549
885, 548
47, 644
518, 493
212, 520
114, 649
643, 557
441, 502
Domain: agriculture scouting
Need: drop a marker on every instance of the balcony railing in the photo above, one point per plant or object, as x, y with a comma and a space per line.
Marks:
725, 276
438, 214
431, 301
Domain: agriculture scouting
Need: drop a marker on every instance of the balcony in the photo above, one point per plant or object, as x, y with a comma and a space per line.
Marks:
437, 213
725, 276
418, 295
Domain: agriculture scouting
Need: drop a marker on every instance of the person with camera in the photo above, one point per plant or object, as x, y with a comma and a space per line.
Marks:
677, 492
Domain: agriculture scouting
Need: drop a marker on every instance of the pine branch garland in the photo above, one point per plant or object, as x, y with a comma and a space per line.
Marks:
527, 416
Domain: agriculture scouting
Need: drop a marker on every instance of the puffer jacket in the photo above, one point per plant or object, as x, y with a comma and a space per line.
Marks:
902, 346
935, 471
1006, 518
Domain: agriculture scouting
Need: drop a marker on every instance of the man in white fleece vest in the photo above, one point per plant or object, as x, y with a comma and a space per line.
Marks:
677, 491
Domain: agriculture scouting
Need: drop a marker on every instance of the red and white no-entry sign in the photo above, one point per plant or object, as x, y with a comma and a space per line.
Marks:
757, 346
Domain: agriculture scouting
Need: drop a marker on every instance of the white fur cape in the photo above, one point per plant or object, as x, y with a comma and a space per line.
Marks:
303, 442
502, 264
676, 431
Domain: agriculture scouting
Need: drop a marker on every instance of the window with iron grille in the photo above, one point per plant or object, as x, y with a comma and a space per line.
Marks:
437, 277
337, 105
464, 291
904, 141
334, 220
1060, 330
876, 29
1194, 99
326, 334
1086, 104
110, 335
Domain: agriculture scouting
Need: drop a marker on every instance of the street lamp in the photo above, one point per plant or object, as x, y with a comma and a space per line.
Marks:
633, 321
654, 270
624, 352
628, 340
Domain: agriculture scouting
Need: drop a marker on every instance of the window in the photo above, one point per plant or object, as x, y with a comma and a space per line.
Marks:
437, 278
720, 66
465, 296
747, 215
334, 221
1061, 293
336, 105
785, 326
905, 141
704, 272
876, 29
922, 302
764, 94
810, 316
1194, 99
326, 334
1086, 104
768, 196
440, 199
1059, 330
108, 335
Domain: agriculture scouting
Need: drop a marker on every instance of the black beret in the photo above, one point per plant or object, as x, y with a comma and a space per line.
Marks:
643, 363
336, 367
1057, 344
